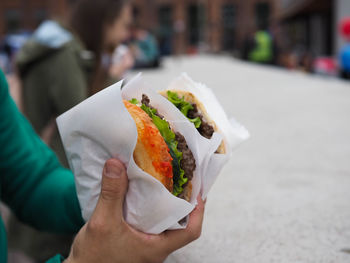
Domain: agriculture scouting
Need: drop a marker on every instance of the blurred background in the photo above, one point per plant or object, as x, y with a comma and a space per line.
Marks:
304, 34
282, 67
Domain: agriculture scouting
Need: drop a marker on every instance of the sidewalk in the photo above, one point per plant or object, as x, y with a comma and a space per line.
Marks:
284, 196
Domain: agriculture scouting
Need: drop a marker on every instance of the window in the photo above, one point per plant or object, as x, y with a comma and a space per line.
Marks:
228, 14
165, 29
195, 23
12, 20
262, 14
165, 18
39, 16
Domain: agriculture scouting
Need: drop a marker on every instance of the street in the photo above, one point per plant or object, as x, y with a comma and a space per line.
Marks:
285, 194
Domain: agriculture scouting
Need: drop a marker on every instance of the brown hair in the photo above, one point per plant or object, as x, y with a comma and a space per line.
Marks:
88, 20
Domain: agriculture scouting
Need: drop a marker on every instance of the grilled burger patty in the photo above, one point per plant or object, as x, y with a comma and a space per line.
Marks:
206, 130
188, 163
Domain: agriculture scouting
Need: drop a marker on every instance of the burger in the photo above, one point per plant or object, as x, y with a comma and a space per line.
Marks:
194, 110
159, 150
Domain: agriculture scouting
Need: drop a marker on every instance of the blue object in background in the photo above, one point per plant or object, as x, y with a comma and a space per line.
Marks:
345, 58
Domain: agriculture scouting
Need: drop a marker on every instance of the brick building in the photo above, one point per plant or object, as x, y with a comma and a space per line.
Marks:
313, 24
180, 25
219, 24
27, 14
309, 25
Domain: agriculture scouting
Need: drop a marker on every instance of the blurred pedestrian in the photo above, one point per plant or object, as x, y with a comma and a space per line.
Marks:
306, 62
145, 48
249, 44
122, 61
60, 66
344, 28
345, 62
259, 47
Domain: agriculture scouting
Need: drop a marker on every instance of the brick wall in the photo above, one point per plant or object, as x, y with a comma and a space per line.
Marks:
26, 14
213, 29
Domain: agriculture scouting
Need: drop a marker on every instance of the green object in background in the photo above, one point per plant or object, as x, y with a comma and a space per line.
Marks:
262, 52
32, 182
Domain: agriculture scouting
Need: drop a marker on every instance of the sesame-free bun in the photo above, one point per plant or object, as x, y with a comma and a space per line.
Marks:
151, 153
187, 192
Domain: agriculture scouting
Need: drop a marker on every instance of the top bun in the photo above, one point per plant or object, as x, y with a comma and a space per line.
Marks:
151, 153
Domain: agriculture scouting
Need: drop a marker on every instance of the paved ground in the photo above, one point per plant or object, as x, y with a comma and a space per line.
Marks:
285, 195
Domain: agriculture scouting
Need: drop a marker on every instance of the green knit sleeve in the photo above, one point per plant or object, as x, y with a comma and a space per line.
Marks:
33, 184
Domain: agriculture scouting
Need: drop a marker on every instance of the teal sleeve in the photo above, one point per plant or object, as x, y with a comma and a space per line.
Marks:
33, 183
56, 259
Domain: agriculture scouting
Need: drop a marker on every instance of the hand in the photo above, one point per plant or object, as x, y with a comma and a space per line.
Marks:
106, 237
118, 70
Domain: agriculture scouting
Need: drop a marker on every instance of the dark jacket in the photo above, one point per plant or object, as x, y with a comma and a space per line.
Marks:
55, 70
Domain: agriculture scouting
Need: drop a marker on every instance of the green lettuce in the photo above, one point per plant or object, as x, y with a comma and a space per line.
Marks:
169, 138
134, 101
183, 106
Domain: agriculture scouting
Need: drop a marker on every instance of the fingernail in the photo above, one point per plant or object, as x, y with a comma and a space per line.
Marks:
113, 171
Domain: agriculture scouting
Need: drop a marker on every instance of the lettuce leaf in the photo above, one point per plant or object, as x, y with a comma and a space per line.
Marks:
183, 106
134, 101
196, 121
169, 138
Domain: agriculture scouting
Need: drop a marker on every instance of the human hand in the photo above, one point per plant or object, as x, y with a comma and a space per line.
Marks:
106, 237
118, 70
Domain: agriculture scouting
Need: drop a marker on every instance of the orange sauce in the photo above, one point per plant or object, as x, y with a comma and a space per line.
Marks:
150, 137
157, 148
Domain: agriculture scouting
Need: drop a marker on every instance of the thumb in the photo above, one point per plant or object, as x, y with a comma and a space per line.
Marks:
113, 189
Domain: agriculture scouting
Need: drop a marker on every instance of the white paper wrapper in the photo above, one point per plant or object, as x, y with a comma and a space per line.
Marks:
100, 128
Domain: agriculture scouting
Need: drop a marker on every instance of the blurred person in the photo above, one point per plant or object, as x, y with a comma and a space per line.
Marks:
145, 49
326, 66
6, 55
278, 43
306, 62
60, 66
122, 61
345, 51
9, 54
345, 62
249, 45
42, 193
258, 47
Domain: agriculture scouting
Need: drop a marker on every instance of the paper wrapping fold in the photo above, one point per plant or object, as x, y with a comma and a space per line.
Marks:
100, 128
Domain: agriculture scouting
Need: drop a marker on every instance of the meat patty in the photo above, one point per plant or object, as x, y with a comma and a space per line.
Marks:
206, 130
188, 163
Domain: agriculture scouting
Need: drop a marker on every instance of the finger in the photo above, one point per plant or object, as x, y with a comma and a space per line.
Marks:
113, 189
175, 239
196, 218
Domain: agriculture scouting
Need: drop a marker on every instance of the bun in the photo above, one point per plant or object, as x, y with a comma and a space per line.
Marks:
187, 192
191, 98
151, 153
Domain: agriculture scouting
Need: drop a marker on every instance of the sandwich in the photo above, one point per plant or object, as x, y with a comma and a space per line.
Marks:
159, 151
195, 111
